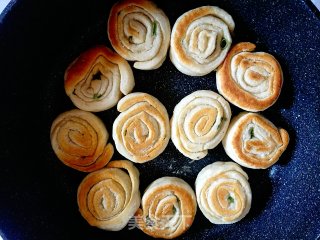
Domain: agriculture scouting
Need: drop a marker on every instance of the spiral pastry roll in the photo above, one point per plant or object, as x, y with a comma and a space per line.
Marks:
168, 208
96, 80
109, 197
200, 40
223, 192
251, 81
139, 31
79, 139
254, 142
199, 122
142, 131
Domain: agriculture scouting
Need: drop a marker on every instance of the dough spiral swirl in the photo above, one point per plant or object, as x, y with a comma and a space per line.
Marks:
79, 139
200, 40
168, 208
251, 81
223, 192
142, 131
254, 142
139, 31
109, 197
96, 80
199, 122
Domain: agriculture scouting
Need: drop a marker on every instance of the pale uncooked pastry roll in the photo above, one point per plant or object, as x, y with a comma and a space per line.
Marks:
200, 40
139, 31
254, 142
79, 139
142, 131
109, 197
168, 208
199, 122
96, 80
251, 81
223, 192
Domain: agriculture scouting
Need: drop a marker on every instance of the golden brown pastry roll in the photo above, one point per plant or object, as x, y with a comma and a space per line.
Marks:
199, 122
251, 81
96, 80
142, 131
253, 141
139, 31
200, 40
79, 139
168, 208
223, 192
109, 197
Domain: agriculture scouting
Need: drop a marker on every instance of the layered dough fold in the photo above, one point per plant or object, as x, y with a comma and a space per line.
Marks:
254, 142
199, 122
168, 208
251, 81
223, 192
142, 131
109, 197
97, 79
79, 139
200, 40
139, 31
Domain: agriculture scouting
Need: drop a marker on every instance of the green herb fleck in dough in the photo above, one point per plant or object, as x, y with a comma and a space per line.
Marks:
221, 120
251, 133
154, 28
97, 96
174, 210
230, 199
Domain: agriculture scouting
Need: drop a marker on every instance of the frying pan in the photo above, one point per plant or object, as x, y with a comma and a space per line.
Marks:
38, 39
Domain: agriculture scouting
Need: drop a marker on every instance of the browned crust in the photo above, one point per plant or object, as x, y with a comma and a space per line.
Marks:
86, 162
151, 106
188, 214
94, 178
280, 135
113, 20
179, 32
236, 95
227, 215
79, 68
100, 162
